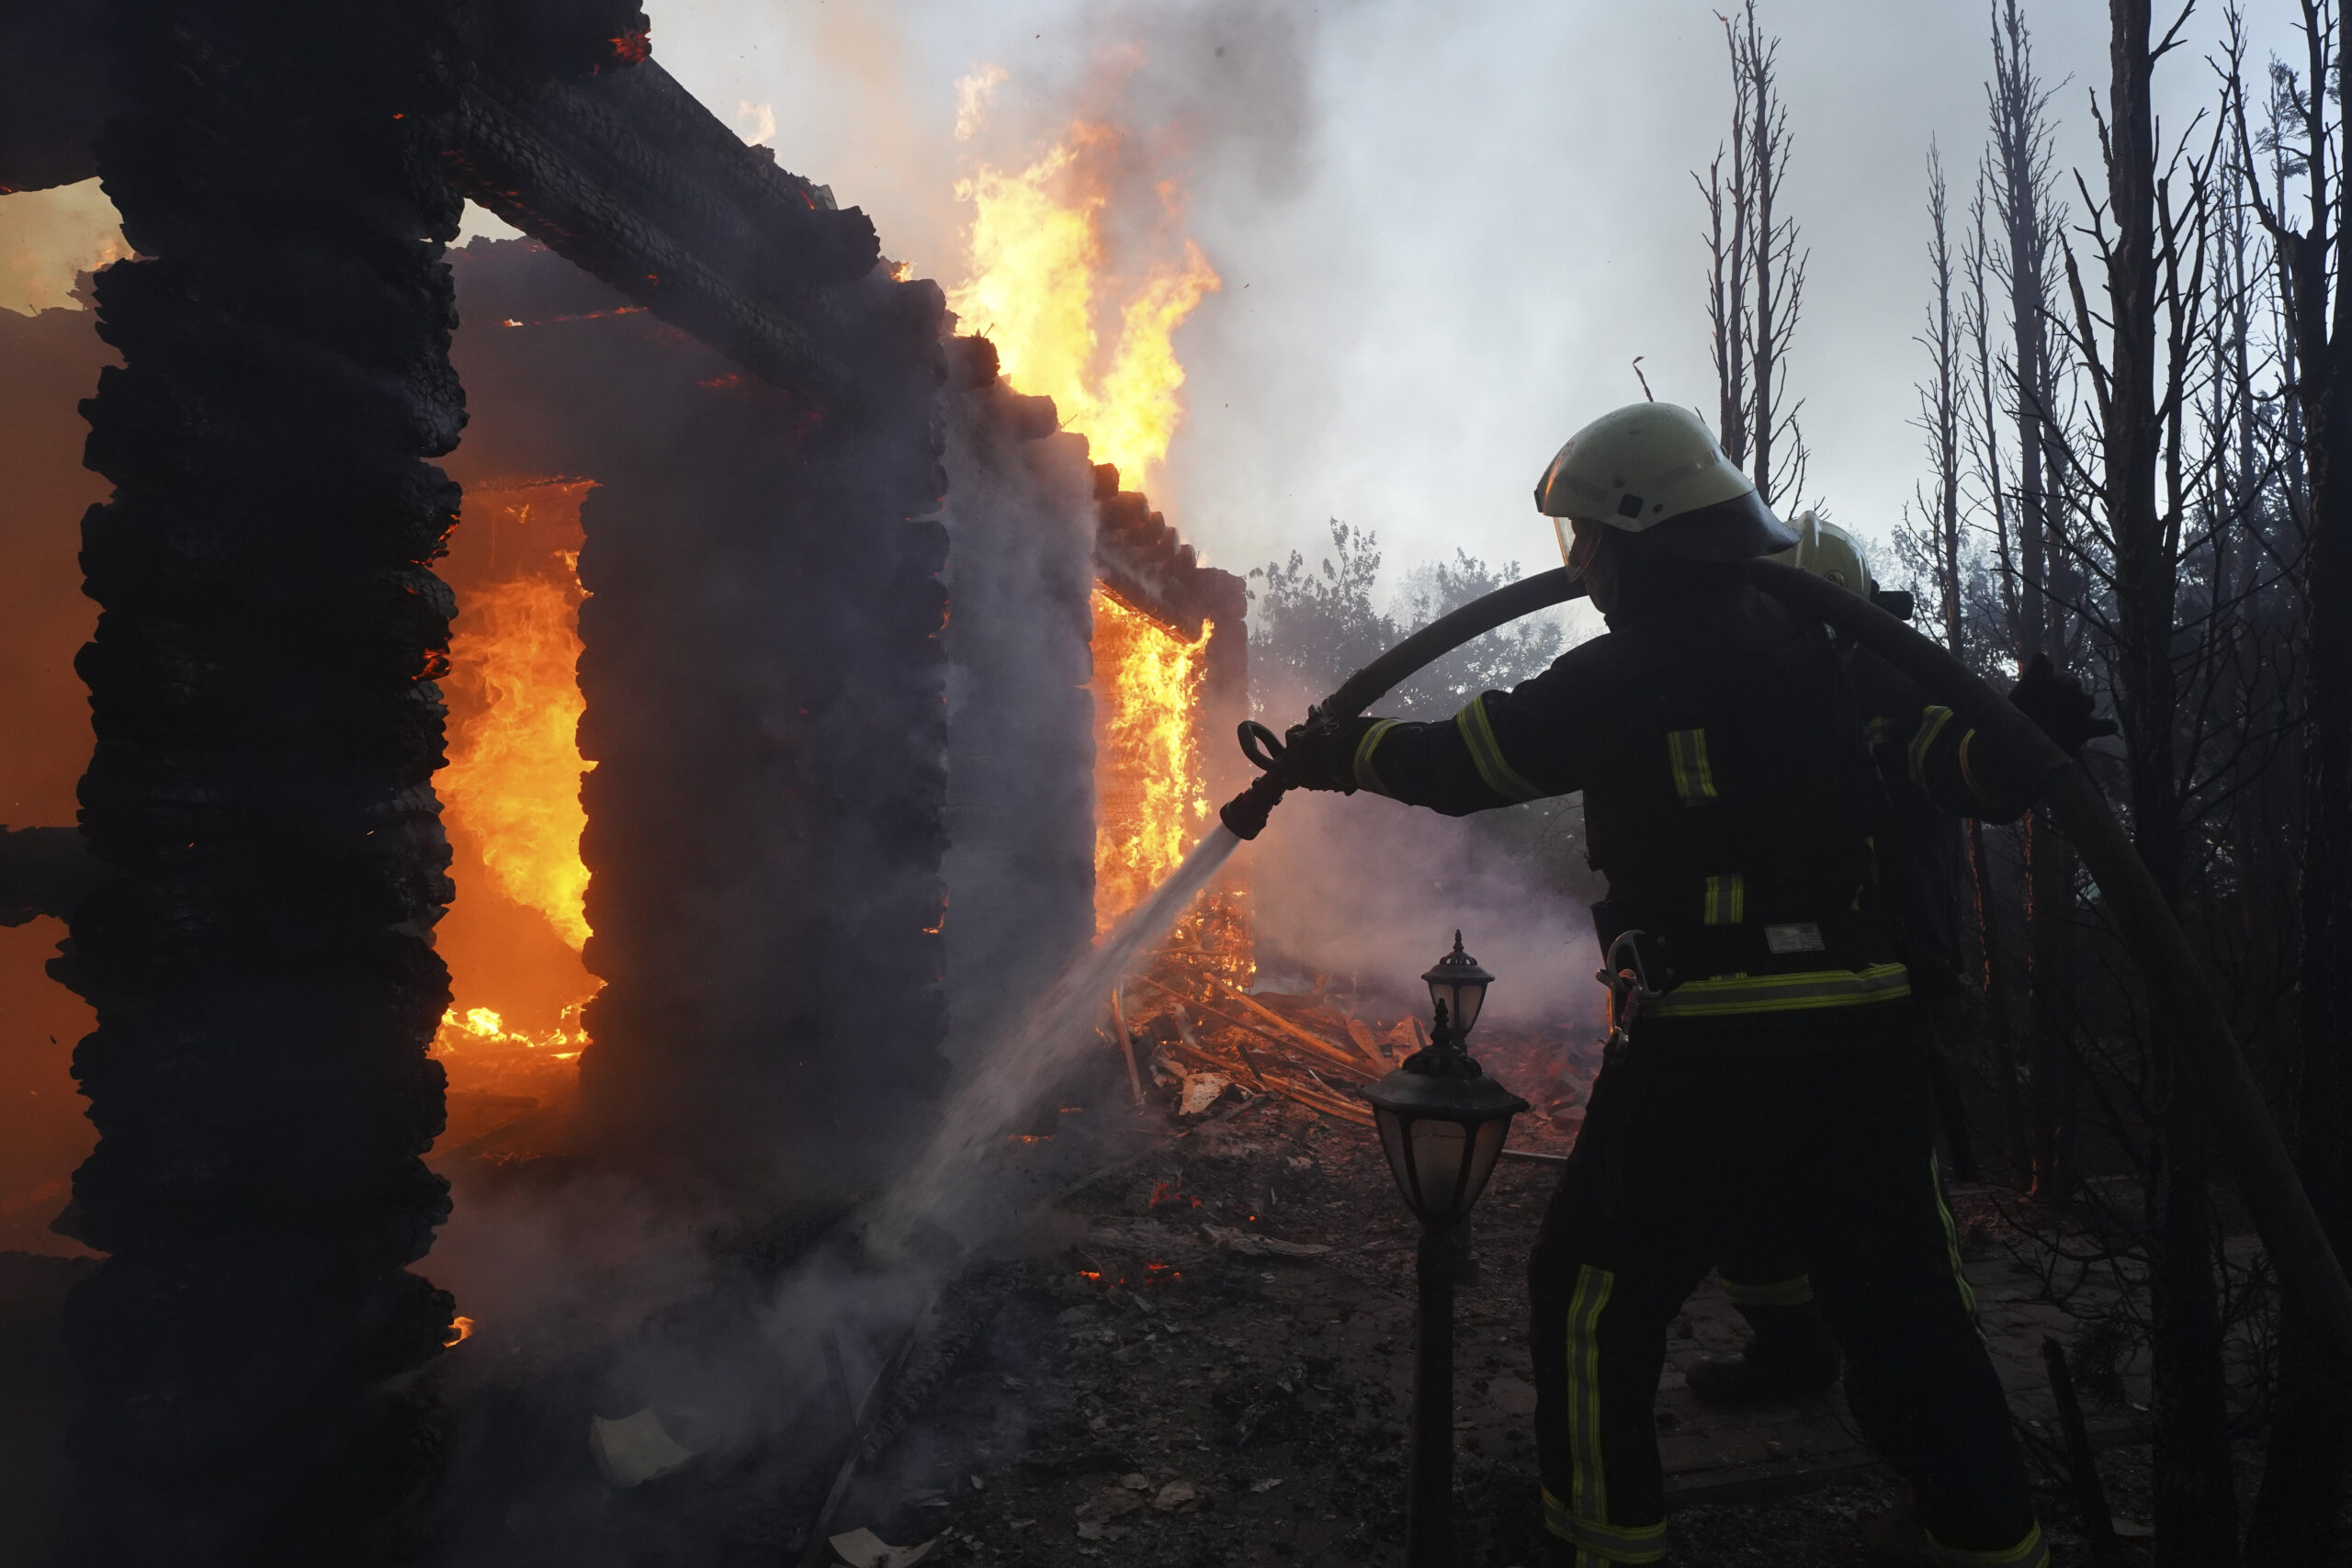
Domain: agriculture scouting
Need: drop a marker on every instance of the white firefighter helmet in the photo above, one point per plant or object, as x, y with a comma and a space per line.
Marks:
1829, 552
1654, 466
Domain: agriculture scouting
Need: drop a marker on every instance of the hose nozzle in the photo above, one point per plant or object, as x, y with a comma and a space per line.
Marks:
1245, 815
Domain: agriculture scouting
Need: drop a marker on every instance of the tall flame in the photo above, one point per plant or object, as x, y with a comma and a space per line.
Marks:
1152, 801
1037, 263
514, 771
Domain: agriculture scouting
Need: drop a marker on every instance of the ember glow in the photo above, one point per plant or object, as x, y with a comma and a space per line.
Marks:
1151, 802
1039, 287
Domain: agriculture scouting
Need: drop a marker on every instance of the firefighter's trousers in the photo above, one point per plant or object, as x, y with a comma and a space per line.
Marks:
1700, 1135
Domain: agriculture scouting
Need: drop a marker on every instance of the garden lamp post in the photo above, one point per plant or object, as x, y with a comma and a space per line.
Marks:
1442, 1124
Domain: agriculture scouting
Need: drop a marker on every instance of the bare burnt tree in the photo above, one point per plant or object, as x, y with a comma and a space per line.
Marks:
2139, 348
1756, 271
1779, 267
2311, 149
2027, 218
1934, 543
1931, 544
1729, 204
1982, 424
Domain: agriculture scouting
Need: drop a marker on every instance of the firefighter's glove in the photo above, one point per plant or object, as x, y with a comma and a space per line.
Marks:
2058, 706
1322, 755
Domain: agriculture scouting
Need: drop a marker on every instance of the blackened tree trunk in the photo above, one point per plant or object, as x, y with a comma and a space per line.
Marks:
1934, 546
1984, 423
2026, 210
2153, 253
267, 727
2310, 1439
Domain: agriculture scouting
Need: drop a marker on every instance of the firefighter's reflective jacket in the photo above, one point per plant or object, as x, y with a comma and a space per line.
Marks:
1927, 766
1725, 749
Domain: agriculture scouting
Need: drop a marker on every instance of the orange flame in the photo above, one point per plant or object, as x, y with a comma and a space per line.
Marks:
1036, 263
514, 771
481, 1032
512, 799
460, 1330
1152, 801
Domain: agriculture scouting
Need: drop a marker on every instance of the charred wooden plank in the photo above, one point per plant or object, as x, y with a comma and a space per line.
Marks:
628, 176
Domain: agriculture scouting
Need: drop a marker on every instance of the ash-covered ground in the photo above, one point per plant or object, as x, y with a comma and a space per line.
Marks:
1204, 1358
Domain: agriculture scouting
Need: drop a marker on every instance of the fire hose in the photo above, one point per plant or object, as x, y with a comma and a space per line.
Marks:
2198, 1028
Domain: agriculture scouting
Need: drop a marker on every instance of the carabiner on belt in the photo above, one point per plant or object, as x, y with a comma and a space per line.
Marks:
1627, 976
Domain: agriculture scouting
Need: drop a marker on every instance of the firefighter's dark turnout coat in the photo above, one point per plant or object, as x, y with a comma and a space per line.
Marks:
1731, 803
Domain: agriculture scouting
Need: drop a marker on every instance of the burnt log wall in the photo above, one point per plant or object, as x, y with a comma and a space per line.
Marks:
261, 686
764, 677
765, 680
1022, 521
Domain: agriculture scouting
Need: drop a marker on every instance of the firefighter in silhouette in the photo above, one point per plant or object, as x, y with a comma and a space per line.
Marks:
1791, 1354
1730, 800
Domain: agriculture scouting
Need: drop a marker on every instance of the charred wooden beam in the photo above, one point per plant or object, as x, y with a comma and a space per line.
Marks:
261, 688
627, 175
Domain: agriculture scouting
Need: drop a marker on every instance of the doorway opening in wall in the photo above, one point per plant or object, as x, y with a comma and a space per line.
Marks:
515, 936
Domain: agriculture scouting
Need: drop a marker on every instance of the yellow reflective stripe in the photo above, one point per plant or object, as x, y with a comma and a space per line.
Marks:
1876, 731
1794, 1291
1726, 903
1366, 776
1588, 1485
1968, 771
1686, 753
1609, 1543
2030, 1553
1951, 1241
1931, 725
1810, 990
1487, 753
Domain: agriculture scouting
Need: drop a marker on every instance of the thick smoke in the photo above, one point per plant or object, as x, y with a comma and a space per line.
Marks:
1219, 90
1370, 892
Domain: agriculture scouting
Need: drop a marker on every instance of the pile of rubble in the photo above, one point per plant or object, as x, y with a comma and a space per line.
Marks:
1316, 1049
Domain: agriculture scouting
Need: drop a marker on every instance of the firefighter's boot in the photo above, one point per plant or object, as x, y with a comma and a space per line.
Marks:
1894, 1535
1790, 1358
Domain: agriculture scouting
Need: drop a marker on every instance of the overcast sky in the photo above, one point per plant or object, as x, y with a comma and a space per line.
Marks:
1457, 227
1444, 232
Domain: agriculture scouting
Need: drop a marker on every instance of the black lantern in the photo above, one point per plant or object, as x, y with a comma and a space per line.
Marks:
1457, 990
1443, 1122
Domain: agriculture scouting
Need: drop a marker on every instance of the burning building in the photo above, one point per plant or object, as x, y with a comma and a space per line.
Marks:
700, 763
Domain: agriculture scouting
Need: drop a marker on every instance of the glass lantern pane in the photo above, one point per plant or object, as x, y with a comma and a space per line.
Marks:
1467, 1001
1437, 1149
1484, 1153
1400, 1158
